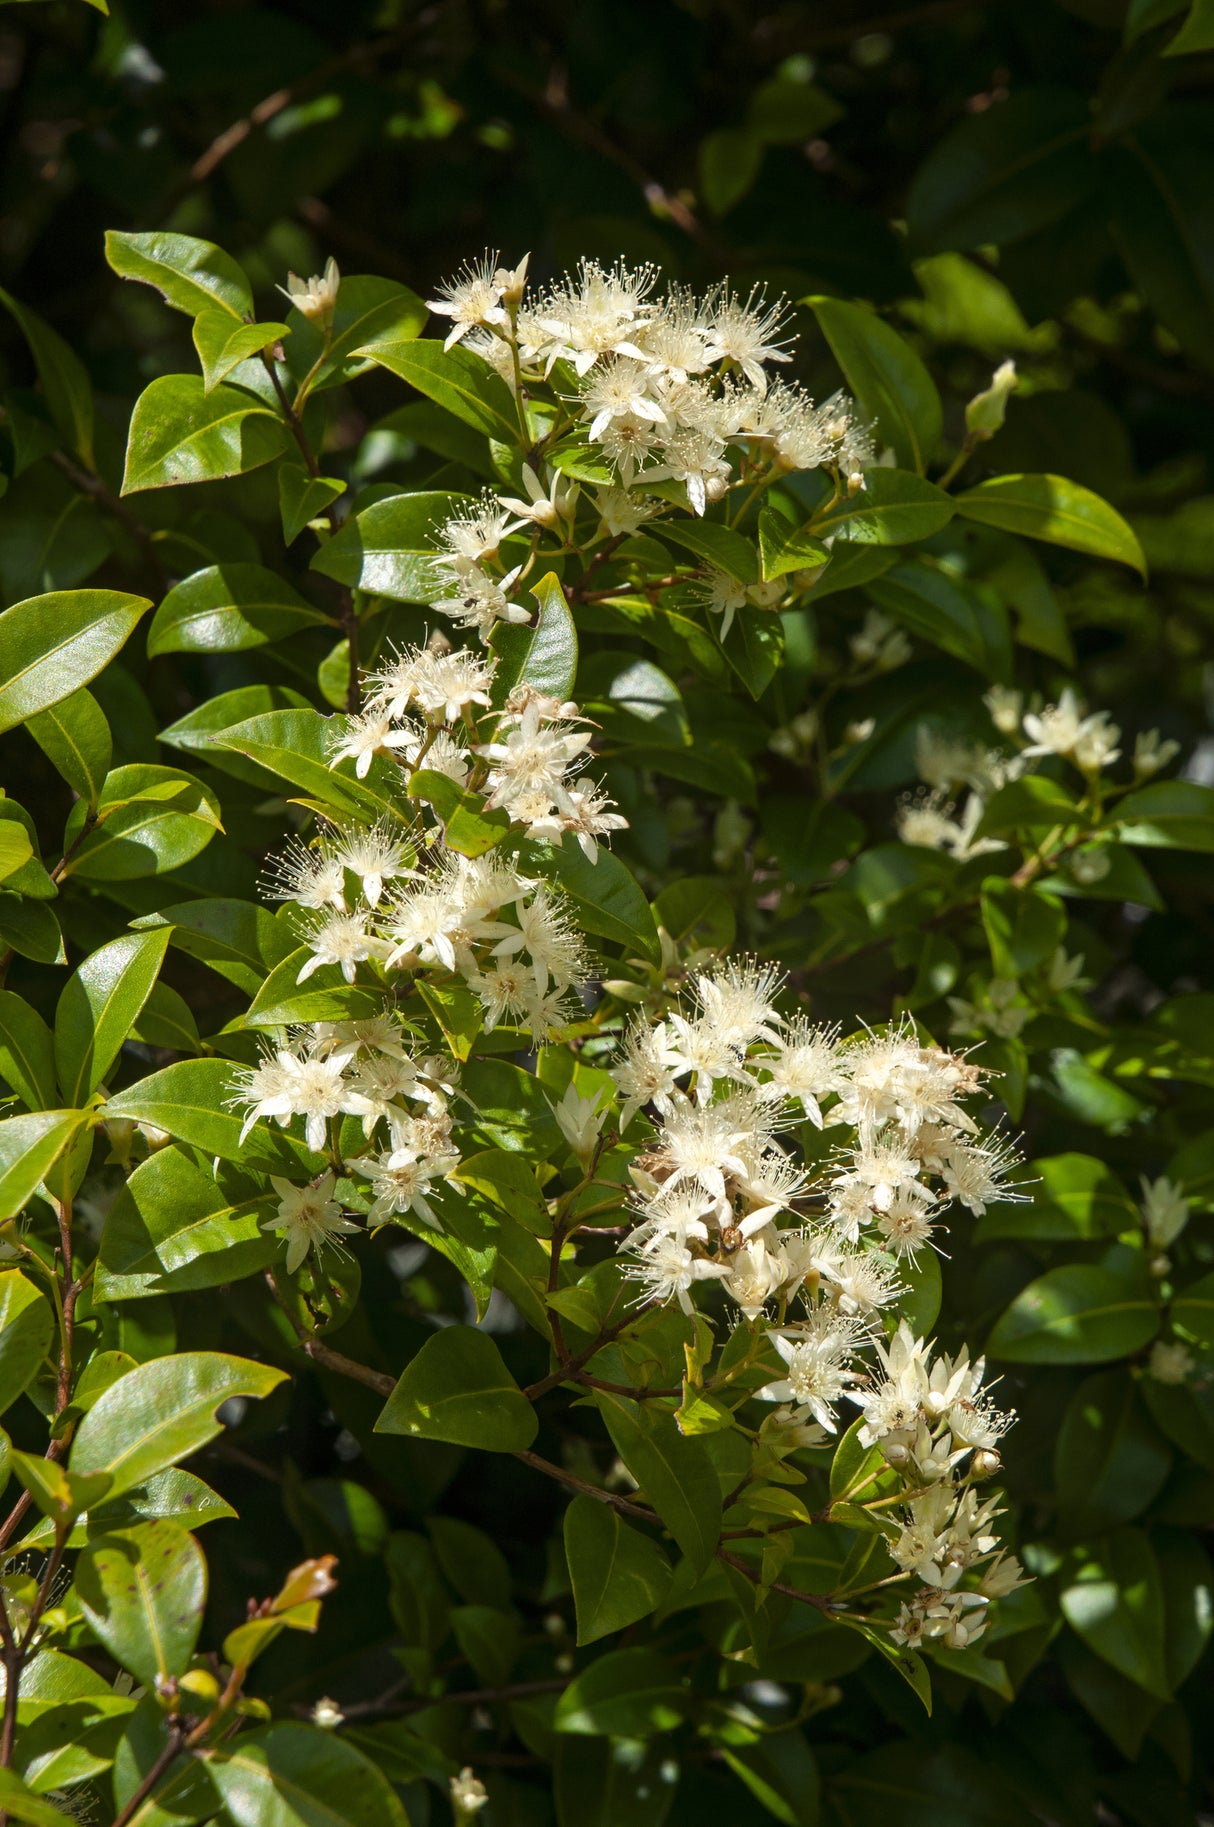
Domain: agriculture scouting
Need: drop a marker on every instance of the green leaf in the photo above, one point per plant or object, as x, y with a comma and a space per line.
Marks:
227, 608
676, 1473
173, 1229
16, 848
148, 820
890, 383
389, 548
1033, 803
618, 1574
370, 313
54, 644
21, 1804
543, 656
296, 744
26, 1325
1002, 174
238, 940
222, 345
142, 1592
912, 1783
613, 1782
27, 1052
730, 161
190, 275
455, 378
695, 912
62, 1496
1109, 1461
75, 737
467, 827
1193, 1309
300, 1776
1023, 928
29, 1147
190, 1101
66, 387
1056, 510
181, 433
161, 1412
785, 546
895, 507
1168, 814
715, 545
606, 895
325, 996
628, 1693
1083, 1313
302, 498
780, 1772
959, 617
31, 928
165, 1020
458, 1389
1112, 1596
1158, 199
99, 1005
1196, 34
1074, 1198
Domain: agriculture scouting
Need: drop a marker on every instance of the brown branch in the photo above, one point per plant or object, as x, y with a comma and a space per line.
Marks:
819, 1600
379, 1380
172, 1747
586, 1489
93, 485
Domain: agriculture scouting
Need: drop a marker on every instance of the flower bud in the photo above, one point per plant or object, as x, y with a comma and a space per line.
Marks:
985, 412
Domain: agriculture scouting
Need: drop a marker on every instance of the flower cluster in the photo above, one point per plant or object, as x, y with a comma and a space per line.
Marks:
651, 388
815, 1258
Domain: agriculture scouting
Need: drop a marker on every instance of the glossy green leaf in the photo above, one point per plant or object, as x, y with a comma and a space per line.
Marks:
190, 1101
27, 1052
228, 608
676, 1473
16, 849
544, 655
1112, 1596
172, 1228
31, 928
148, 820
1109, 1461
628, 1693
54, 644
895, 507
222, 345
181, 433
191, 275
26, 1325
1003, 173
1056, 510
779, 1770
324, 996
1023, 928
299, 1776
303, 498
29, 1147
389, 547
467, 826
142, 1592
238, 940
64, 379
458, 1389
75, 737
613, 1782
1168, 814
618, 1574
454, 378
1083, 1313
23, 1804
296, 746
891, 385
715, 545
1193, 1309
1073, 1198
99, 1005
161, 1412
959, 617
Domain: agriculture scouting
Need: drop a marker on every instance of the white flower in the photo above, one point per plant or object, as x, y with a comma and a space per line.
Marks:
468, 1795
401, 1182
976, 1173
1165, 1210
310, 874
1170, 1362
315, 298
343, 939
546, 507
442, 685
309, 1215
667, 1269
581, 1121
623, 513
746, 334
1151, 752
817, 1356
375, 854
1005, 706
807, 1068
472, 298
360, 739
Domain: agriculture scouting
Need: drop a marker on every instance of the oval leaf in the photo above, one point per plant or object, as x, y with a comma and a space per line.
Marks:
458, 1389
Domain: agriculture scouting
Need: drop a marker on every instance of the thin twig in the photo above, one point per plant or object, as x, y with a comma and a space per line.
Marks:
586, 1489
